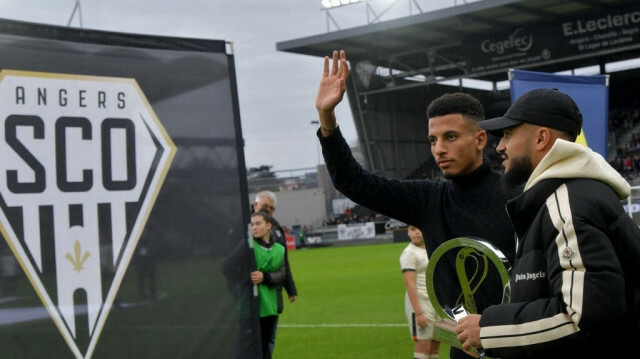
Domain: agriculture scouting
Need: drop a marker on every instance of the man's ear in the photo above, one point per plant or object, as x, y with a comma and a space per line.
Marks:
481, 139
544, 139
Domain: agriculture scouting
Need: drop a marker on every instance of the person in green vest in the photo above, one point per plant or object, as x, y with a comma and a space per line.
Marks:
270, 271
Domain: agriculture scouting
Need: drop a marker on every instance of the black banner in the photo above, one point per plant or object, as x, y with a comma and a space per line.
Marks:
122, 193
607, 32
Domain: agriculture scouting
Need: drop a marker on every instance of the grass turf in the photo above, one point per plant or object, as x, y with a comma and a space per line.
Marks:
350, 304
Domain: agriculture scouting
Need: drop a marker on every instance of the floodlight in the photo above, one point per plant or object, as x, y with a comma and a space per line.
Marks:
335, 3
326, 3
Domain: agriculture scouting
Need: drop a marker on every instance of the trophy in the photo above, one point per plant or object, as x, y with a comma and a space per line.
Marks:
482, 273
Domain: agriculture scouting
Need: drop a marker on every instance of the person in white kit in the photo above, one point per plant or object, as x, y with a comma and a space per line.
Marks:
418, 308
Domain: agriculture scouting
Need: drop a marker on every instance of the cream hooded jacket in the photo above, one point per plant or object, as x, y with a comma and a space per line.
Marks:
576, 267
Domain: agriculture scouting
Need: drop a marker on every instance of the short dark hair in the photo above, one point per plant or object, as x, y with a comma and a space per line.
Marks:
457, 102
267, 217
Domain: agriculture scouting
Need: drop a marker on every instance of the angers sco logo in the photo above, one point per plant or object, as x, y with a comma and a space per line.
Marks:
82, 159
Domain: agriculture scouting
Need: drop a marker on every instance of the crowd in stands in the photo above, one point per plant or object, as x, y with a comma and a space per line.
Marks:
628, 164
357, 214
623, 121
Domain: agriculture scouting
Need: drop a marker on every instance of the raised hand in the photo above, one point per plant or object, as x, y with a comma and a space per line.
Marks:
332, 88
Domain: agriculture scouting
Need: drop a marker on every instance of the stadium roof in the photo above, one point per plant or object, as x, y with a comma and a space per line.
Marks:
401, 65
430, 42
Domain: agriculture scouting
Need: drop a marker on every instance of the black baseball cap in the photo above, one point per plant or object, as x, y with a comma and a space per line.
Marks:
546, 107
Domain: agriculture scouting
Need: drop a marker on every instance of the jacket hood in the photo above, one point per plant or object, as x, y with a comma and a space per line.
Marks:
571, 160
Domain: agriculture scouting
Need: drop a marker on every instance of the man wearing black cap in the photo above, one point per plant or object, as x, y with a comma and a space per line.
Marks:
468, 203
575, 272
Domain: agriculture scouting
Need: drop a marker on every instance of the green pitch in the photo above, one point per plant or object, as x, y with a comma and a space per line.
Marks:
350, 305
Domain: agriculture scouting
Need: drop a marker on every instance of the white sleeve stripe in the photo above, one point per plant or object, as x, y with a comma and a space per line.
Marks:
540, 331
561, 324
567, 242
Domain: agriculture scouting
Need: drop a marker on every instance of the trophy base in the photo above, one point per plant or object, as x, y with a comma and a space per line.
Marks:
445, 332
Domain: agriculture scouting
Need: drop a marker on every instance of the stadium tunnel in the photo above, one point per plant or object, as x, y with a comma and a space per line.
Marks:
399, 66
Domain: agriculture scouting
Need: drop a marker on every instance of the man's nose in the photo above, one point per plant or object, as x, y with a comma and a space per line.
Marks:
501, 146
439, 148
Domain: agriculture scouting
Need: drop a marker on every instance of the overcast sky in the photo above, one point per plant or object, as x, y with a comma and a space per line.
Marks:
276, 90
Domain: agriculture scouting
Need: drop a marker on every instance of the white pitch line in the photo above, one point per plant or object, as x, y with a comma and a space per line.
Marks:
339, 325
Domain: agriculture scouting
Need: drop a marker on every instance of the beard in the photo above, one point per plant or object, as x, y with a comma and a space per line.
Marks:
518, 173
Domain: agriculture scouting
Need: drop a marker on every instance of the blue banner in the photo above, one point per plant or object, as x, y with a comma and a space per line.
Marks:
591, 94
